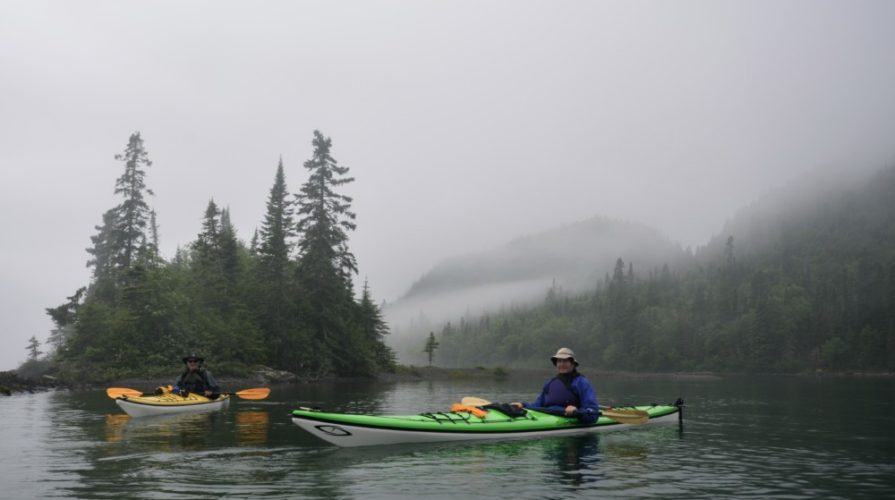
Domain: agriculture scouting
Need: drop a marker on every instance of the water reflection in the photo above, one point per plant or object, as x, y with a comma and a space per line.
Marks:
115, 427
163, 433
577, 459
252, 427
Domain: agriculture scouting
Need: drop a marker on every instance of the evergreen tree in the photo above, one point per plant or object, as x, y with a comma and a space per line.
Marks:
275, 311
431, 346
325, 264
133, 213
324, 215
34, 348
374, 329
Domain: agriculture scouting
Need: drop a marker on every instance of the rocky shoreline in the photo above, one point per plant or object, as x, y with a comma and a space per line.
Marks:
11, 382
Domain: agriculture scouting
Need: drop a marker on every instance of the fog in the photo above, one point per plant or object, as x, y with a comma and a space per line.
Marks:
466, 124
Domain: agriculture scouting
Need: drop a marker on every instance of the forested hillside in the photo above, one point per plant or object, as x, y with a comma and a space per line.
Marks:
576, 256
815, 289
285, 301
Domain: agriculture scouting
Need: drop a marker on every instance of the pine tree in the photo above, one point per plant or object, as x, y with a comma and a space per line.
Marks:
228, 251
325, 264
34, 348
273, 283
324, 215
431, 346
133, 213
208, 262
273, 247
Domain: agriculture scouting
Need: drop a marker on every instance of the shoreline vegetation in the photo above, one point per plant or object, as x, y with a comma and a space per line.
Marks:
12, 383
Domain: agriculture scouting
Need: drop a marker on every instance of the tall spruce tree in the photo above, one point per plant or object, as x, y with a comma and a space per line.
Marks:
273, 277
325, 264
133, 214
324, 215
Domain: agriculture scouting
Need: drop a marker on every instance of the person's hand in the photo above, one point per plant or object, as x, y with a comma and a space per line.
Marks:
208, 393
571, 410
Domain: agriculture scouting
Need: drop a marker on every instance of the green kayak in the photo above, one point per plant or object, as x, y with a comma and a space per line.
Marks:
350, 430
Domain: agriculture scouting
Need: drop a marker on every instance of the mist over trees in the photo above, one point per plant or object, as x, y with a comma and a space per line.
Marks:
577, 256
803, 280
815, 290
286, 301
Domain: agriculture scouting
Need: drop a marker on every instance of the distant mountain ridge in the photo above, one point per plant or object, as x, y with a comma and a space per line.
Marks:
577, 256
574, 258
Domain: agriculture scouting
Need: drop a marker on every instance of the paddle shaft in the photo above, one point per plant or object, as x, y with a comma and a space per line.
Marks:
252, 394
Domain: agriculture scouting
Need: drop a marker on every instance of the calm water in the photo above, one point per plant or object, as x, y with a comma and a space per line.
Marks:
742, 437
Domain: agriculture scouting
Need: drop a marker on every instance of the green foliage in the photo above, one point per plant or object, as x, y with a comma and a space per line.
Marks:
239, 307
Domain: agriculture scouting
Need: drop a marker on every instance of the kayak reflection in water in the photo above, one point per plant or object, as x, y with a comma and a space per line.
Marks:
568, 393
196, 379
577, 458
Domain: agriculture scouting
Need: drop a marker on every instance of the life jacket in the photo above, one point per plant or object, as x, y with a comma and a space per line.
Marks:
458, 408
559, 391
194, 381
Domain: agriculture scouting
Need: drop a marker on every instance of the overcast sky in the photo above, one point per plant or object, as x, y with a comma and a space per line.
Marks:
465, 124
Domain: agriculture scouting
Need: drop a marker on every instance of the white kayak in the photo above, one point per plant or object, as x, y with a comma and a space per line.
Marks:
169, 404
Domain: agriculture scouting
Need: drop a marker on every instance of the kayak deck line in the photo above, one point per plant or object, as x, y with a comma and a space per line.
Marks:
454, 431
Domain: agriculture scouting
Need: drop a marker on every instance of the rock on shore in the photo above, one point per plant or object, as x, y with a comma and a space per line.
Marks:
11, 382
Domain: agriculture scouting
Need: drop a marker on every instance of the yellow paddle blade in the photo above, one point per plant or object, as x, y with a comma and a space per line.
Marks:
474, 401
257, 393
117, 392
633, 417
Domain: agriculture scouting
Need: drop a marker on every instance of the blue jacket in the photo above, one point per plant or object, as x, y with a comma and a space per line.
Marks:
588, 409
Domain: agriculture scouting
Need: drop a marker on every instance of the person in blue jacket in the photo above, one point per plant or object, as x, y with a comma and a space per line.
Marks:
567, 393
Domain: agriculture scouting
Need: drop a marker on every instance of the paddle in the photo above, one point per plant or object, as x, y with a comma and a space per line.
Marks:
254, 394
117, 392
633, 417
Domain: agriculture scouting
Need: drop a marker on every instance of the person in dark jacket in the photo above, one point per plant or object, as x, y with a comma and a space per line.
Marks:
568, 392
196, 378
